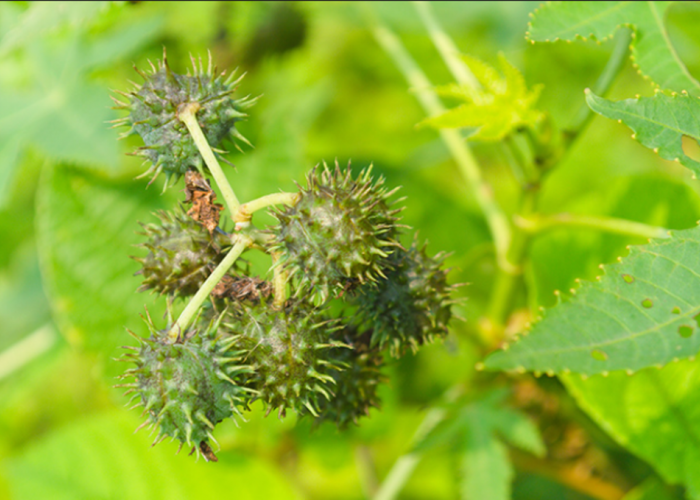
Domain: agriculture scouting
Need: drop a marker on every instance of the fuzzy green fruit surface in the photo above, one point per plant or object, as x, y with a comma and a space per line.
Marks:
188, 386
181, 255
153, 114
340, 232
287, 351
411, 306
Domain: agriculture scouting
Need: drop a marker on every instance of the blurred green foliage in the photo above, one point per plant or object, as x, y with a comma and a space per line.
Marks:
68, 219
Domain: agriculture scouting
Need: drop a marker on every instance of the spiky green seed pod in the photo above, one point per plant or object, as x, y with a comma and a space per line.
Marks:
153, 114
287, 351
188, 386
411, 306
339, 233
356, 385
181, 254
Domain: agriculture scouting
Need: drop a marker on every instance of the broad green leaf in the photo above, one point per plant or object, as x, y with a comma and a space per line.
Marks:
642, 311
501, 106
653, 413
658, 122
87, 228
651, 47
100, 457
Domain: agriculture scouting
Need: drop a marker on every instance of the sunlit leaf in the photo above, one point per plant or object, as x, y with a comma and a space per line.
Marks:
100, 457
643, 311
652, 51
654, 413
502, 105
658, 122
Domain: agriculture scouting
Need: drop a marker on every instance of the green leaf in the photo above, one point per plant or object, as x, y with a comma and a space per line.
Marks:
643, 311
652, 51
87, 229
658, 122
101, 458
501, 106
654, 413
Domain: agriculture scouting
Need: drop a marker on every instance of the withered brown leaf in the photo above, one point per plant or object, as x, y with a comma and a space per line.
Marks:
199, 193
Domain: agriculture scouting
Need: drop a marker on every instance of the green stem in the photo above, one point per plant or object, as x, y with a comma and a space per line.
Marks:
446, 47
468, 167
541, 223
405, 465
246, 210
604, 82
203, 293
508, 276
27, 350
188, 115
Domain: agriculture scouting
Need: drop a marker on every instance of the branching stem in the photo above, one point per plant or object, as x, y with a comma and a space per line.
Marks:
202, 294
188, 115
246, 210
539, 223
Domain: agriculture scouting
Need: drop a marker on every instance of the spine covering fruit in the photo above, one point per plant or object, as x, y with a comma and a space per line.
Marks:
411, 306
286, 349
181, 255
341, 232
188, 386
153, 114
281, 341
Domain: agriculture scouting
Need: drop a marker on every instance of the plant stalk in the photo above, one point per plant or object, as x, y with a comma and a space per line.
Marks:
196, 302
446, 47
468, 167
246, 210
540, 223
603, 84
404, 466
188, 115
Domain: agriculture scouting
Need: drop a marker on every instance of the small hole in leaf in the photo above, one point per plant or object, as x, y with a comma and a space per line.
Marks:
691, 148
685, 331
599, 355
676, 310
647, 303
628, 278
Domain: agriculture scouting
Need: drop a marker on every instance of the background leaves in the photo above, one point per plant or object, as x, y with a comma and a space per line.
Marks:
652, 51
